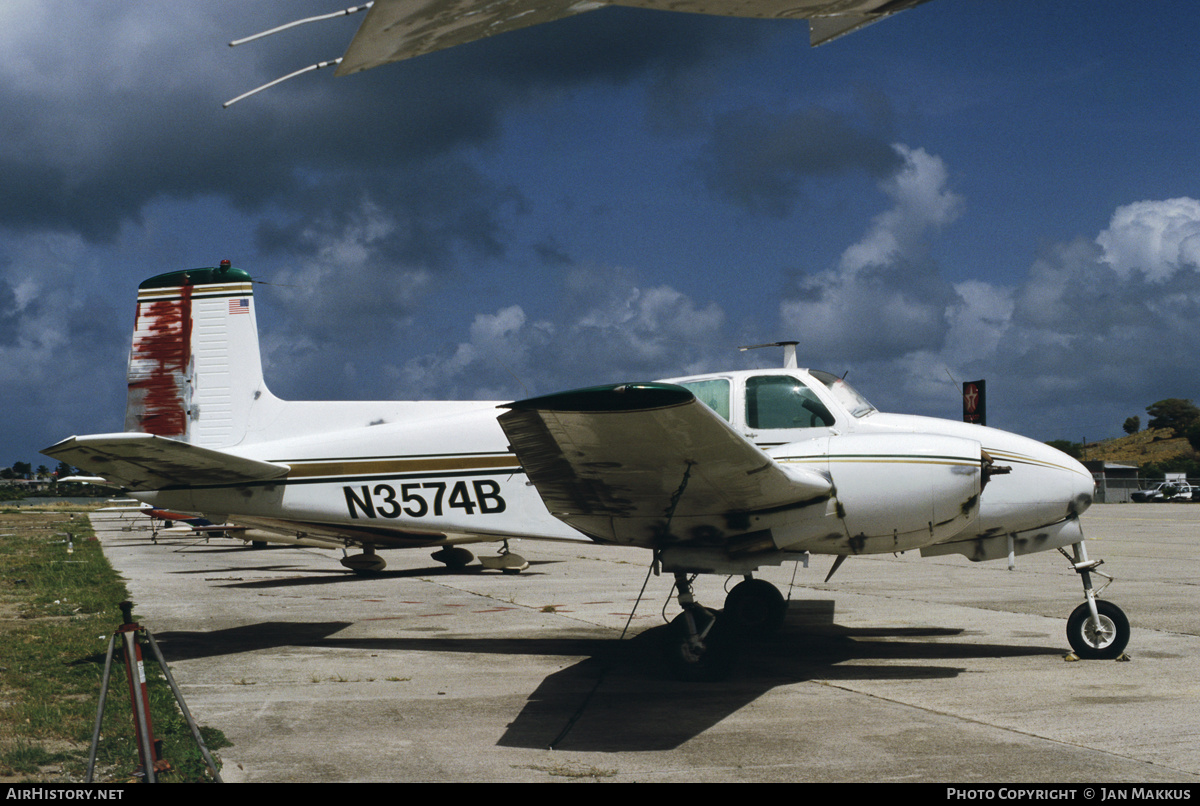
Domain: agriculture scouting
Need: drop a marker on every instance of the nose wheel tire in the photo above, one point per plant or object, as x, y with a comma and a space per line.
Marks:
1105, 642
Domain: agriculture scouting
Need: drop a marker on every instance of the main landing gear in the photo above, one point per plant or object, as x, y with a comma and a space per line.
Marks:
702, 644
457, 557
366, 563
505, 561
1096, 630
453, 557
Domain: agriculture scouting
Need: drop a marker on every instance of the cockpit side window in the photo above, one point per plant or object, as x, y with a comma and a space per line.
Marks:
781, 401
712, 393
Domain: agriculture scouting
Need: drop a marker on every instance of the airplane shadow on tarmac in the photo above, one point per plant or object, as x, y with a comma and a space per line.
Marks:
306, 576
620, 697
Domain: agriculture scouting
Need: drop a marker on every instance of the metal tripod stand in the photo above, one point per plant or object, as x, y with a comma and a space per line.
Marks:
148, 749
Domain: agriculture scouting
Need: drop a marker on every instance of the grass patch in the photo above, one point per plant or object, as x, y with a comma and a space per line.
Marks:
59, 602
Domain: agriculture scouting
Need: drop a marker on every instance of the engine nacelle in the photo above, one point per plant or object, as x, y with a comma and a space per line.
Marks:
895, 492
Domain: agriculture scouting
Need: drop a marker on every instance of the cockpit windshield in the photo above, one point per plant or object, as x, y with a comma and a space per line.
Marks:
847, 395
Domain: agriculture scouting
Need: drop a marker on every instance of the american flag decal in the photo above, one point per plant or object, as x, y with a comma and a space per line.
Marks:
239, 306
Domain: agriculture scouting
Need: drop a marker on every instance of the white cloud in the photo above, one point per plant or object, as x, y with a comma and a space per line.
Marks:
920, 203
1097, 329
609, 328
1153, 238
886, 297
347, 273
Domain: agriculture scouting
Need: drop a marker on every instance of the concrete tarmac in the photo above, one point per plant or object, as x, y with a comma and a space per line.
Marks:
898, 669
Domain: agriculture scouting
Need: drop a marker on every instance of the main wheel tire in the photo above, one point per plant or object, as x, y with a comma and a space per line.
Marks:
714, 660
1106, 643
453, 557
756, 607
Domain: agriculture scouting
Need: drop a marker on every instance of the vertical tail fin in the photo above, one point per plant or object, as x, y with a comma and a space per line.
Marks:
194, 369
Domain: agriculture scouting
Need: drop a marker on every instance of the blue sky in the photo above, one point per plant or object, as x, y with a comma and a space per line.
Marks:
973, 188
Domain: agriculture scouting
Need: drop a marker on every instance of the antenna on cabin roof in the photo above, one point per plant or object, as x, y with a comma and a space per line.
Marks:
789, 351
319, 65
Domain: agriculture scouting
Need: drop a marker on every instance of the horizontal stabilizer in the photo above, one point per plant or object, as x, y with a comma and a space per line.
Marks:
645, 451
149, 462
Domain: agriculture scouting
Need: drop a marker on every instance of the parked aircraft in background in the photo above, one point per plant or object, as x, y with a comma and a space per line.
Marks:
721, 473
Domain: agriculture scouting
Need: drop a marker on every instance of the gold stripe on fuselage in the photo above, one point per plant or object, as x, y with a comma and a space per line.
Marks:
882, 460
378, 467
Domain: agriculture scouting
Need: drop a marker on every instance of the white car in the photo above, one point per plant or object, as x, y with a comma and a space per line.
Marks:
1166, 491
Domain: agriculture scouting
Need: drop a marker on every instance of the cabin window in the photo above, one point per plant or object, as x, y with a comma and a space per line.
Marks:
713, 393
781, 401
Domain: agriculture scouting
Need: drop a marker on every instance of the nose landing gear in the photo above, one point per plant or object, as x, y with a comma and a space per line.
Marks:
1096, 630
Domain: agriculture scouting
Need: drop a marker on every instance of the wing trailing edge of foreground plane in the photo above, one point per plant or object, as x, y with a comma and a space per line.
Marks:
646, 451
394, 30
150, 462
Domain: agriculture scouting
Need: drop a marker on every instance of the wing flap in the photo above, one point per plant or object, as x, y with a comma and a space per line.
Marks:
148, 462
645, 451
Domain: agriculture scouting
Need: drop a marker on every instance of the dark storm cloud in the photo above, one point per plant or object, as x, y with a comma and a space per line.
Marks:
10, 325
614, 45
87, 146
760, 160
164, 150
440, 209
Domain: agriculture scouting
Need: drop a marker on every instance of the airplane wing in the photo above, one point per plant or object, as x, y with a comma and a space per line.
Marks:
647, 453
138, 461
394, 30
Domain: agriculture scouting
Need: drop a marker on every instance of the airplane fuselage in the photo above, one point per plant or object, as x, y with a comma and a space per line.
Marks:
445, 473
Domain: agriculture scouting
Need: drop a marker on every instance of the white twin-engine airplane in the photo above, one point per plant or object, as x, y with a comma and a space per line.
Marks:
716, 474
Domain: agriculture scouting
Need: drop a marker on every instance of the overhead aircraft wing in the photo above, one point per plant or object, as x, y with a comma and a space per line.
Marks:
394, 30
649, 452
139, 461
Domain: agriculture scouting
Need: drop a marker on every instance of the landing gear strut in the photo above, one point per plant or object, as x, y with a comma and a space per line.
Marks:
699, 644
1096, 630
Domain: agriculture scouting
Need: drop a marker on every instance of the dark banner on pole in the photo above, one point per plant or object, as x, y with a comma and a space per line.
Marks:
975, 402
